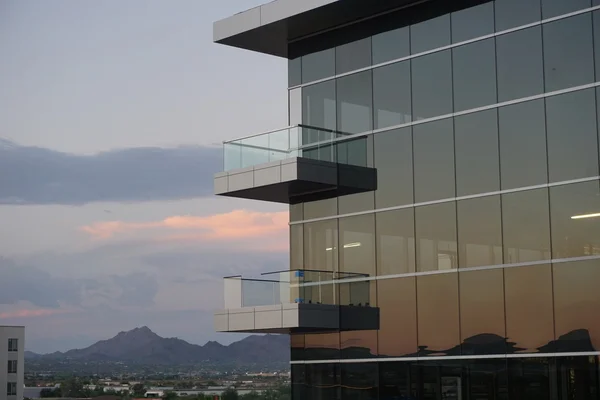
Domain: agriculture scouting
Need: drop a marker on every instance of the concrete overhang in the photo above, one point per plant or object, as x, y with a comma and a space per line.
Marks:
270, 27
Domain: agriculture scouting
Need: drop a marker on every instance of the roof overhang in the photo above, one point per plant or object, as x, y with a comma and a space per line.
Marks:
269, 28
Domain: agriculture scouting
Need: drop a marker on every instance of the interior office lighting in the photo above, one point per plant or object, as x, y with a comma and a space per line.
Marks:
346, 246
584, 216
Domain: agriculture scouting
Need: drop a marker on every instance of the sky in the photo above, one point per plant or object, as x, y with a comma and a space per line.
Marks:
111, 119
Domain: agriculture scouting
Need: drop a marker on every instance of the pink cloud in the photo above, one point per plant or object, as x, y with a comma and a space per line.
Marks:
43, 312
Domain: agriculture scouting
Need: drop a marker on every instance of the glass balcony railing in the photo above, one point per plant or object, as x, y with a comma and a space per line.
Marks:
296, 141
297, 286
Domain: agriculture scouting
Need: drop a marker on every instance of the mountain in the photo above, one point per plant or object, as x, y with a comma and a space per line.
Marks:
142, 346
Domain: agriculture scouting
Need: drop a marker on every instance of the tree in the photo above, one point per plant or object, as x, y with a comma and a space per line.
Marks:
72, 387
230, 394
49, 393
253, 395
170, 395
139, 390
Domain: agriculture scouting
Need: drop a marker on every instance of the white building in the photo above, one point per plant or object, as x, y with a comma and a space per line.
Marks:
12, 360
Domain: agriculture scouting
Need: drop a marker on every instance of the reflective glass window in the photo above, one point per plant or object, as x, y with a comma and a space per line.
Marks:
440, 379
482, 312
295, 72
393, 150
553, 8
572, 135
320, 208
322, 346
576, 305
579, 377
476, 144
357, 244
395, 241
432, 85
296, 246
355, 103
575, 216
359, 381
488, 379
430, 34
320, 242
473, 22
474, 70
523, 160
319, 111
513, 13
568, 52
298, 381
391, 95
358, 344
391, 45
529, 378
596, 23
395, 380
479, 232
296, 212
438, 317
297, 346
397, 302
529, 314
356, 152
520, 64
353, 56
436, 237
434, 160
318, 65
526, 226
323, 381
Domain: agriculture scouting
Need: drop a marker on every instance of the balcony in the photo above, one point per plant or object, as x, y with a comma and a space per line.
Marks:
298, 301
294, 165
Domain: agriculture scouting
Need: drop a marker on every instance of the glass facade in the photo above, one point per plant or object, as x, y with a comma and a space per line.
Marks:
482, 240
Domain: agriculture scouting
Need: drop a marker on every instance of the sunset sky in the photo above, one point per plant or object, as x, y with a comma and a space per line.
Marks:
111, 115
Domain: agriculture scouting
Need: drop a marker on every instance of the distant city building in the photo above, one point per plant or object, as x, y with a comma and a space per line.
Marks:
12, 359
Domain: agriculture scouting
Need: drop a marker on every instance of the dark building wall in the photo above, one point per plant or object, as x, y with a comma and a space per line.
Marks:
479, 241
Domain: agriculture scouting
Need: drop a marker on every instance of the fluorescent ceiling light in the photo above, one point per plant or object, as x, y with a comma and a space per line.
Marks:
584, 216
346, 246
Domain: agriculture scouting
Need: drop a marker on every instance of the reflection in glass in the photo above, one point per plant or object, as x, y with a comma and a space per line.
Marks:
323, 381
520, 64
353, 56
296, 247
298, 372
434, 160
513, 13
295, 72
355, 103
441, 379
575, 216
391, 95
526, 226
394, 168
358, 344
359, 381
319, 111
553, 8
476, 143
579, 377
391, 45
572, 135
320, 242
432, 85
357, 242
474, 71
430, 34
395, 241
322, 346
576, 305
523, 158
296, 212
318, 65
487, 379
482, 312
436, 237
472, 22
529, 314
395, 380
320, 208
438, 317
297, 346
397, 302
529, 378
568, 52
479, 232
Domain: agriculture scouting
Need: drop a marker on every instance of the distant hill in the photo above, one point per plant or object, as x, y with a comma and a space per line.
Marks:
142, 346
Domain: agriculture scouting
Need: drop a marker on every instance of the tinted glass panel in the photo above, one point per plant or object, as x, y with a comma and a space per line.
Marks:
299, 381
526, 226
523, 145
395, 380
318, 65
320, 242
488, 379
394, 165
440, 379
391, 45
575, 220
357, 244
355, 103
397, 301
430, 34
476, 144
296, 247
319, 111
391, 95
432, 85
552, 8
479, 232
296, 212
295, 72
297, 347
579, 377
321, 208
568, 52
513, 13
482, 312
359, 381
322, 346
436, 237
437, 308
596, 23
572, 135
529, 378
434, 160
395, 242
520, 65
577, 301
323, 381
473, 22
352, 56
358, 344
529, 318
474, 69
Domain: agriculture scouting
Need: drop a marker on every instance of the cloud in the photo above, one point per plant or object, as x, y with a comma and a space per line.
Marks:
27, 313
32, 175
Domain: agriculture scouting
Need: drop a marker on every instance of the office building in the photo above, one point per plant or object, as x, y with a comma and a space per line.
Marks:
442, 173
12, 359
